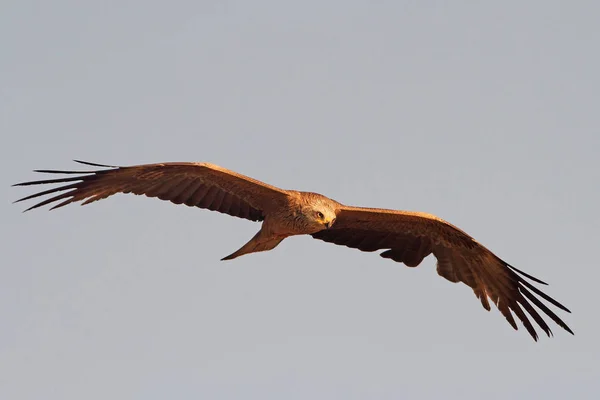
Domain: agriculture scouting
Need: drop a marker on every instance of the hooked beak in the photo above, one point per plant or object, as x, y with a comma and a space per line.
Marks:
329, 224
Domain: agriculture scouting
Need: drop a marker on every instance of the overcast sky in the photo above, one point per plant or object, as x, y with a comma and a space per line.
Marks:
486, 115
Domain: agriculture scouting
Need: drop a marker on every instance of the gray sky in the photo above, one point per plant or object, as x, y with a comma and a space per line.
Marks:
486, 115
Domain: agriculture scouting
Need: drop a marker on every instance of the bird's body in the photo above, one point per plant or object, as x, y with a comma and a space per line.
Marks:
297, 214
406, 237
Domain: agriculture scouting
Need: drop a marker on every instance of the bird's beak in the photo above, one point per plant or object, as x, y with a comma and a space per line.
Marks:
329, 223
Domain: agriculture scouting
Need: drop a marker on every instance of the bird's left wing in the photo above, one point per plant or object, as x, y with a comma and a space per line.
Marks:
200, 185
409, 237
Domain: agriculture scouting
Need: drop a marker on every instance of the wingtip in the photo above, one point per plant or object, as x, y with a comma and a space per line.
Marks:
566, 328
525, 274
95, 164
534, 336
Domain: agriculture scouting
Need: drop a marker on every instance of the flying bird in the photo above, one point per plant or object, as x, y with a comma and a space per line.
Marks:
406, 237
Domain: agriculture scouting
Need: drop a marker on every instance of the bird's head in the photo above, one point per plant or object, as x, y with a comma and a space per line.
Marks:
319, 214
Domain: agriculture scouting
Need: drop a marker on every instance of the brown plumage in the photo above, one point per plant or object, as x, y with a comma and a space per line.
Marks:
406, 237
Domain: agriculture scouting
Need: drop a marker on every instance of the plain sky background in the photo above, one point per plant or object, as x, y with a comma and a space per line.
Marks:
484, 114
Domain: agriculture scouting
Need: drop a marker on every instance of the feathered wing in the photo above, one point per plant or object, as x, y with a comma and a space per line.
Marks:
409, 237
194, 184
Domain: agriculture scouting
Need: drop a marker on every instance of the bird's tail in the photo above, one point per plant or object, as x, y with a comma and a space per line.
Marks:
256, 244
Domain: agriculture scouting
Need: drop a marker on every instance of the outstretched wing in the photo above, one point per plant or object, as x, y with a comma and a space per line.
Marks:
409, 237
193, 184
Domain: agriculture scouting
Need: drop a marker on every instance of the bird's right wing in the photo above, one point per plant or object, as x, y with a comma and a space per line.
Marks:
408, 237
201, 185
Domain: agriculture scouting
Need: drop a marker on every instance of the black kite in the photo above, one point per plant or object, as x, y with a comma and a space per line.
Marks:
406, 237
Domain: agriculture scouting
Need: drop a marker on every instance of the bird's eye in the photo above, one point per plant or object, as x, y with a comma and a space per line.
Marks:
320, 215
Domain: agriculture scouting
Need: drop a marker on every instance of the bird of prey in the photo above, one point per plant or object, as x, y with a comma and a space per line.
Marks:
406, 237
